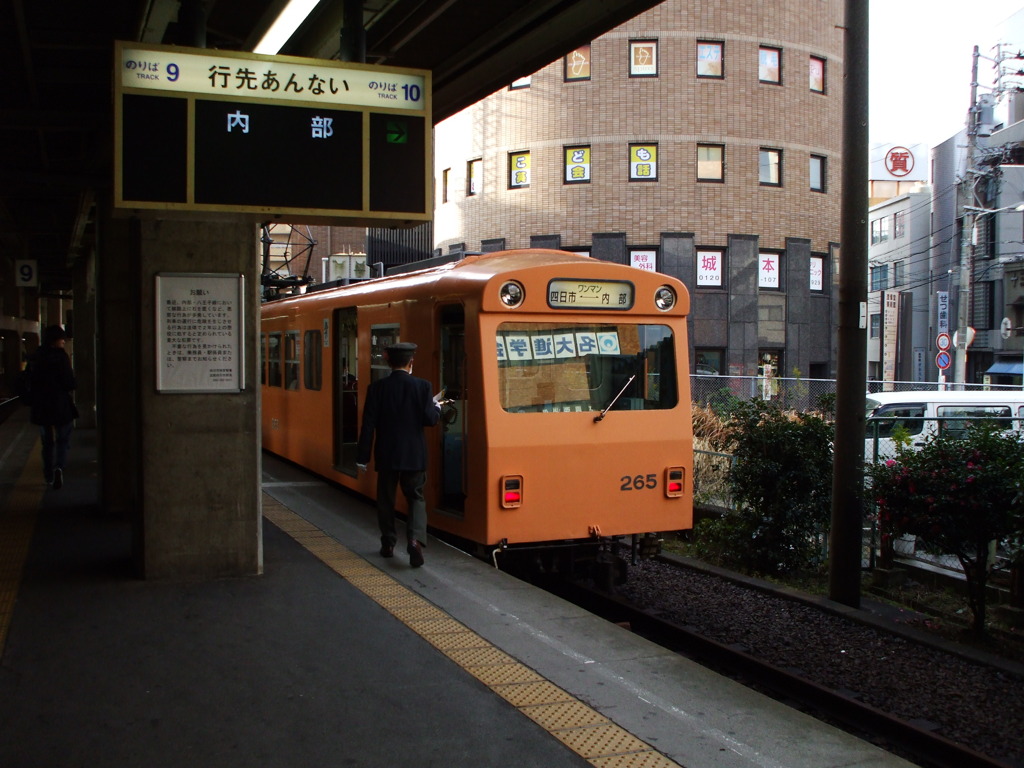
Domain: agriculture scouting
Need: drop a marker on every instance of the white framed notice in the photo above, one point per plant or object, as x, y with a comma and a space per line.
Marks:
199, 332
768, 270
817, 276
709, 269
646, 260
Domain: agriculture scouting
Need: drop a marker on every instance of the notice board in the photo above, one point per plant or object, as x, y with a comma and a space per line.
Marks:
199, 331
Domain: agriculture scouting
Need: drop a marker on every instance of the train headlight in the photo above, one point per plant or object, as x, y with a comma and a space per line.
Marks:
512, 294
664, 298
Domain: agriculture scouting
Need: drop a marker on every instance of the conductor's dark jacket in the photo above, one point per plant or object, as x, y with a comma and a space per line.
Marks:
398, 407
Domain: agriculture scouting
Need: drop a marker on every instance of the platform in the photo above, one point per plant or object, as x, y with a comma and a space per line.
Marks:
335, 656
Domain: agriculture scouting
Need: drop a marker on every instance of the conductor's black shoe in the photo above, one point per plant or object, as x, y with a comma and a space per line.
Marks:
415, 554
58, 479
387, 550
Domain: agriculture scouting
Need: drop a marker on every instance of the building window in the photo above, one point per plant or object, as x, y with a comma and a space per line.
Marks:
899, 224
768, 271
876, 325
816, 74
710, 162
520, 83
643, 58
880, 277
880, 230
445, 178
769, 65
770, 167
710, 59
898, 274
817, 172
474, 169
313, 357
577, 64
577, 165
817, 274
709, 269
518, 170
707, 362
643, 162
982, 316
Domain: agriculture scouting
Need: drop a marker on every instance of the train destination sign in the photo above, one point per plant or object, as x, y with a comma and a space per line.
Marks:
590, 294
310, 140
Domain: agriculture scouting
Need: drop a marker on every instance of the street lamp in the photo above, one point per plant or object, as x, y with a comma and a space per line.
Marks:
971, 214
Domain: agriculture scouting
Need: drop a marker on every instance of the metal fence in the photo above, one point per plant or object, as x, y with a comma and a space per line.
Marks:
801, 394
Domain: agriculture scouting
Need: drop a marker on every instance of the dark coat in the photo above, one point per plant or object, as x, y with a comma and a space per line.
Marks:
397, 409
51, 382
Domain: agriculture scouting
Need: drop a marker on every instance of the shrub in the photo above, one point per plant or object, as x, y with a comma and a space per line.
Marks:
781, 483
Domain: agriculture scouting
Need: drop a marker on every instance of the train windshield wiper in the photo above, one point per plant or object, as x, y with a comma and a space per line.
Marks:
614, 399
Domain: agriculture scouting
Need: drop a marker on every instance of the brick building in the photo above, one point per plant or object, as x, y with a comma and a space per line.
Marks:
700, 139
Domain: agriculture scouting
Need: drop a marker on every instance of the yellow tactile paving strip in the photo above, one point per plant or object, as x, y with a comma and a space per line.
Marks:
17, 522
581, 728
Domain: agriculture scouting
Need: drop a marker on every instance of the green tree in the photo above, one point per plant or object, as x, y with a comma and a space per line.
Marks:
781, 483
956, 494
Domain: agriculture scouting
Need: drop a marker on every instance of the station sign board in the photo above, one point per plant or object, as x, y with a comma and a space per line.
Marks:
305, 140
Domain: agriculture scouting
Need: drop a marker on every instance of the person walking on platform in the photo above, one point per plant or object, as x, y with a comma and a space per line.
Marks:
53, 410
397, 409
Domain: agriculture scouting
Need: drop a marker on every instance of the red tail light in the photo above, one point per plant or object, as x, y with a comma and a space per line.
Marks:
511, 491
675, 482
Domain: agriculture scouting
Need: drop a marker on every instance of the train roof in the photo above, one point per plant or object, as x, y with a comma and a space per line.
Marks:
475, 268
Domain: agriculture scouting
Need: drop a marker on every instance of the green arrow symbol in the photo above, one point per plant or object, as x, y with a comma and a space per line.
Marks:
397, 133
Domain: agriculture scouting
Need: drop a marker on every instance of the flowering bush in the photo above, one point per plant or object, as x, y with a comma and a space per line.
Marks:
956, 494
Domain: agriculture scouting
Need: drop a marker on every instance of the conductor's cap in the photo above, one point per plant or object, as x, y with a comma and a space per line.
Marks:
403, 346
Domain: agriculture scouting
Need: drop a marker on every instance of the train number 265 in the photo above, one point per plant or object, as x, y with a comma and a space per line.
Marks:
638, 482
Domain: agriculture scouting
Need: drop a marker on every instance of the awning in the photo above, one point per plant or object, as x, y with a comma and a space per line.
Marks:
1007, 368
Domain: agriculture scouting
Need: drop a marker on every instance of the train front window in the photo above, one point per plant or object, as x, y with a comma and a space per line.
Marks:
567, 367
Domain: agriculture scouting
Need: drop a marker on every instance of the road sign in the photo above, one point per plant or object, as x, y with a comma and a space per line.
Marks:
943, 342
942, 360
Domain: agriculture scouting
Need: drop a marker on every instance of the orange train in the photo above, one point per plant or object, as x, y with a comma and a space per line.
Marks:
568, 421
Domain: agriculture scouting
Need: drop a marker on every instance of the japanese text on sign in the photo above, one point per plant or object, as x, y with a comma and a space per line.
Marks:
273, 78
555, 345
199, 333
592, 294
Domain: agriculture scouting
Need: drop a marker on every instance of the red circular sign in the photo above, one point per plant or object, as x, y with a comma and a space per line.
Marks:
942, 360
899, 161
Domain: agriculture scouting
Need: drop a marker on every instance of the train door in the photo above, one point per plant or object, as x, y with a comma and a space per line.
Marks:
346, 399
452, 327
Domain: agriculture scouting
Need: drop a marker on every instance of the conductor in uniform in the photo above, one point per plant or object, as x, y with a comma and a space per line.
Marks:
397, 409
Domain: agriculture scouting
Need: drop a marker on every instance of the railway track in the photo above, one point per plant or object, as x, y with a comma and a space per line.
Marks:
916, 742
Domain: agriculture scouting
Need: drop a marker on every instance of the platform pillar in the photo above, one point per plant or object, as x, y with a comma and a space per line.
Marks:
183, 467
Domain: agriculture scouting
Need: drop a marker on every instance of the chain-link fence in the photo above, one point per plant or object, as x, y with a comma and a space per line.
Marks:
801, 394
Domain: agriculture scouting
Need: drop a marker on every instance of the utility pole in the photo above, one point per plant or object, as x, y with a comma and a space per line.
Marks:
967, 241
851, 370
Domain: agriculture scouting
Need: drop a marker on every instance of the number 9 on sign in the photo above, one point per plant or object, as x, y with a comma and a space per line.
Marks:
25, 273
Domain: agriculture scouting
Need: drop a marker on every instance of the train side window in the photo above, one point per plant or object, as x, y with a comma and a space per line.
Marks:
291, 360
381, 337
274, 359
314, 360
263, 359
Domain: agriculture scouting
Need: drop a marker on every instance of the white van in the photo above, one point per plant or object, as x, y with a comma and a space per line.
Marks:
921, 413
